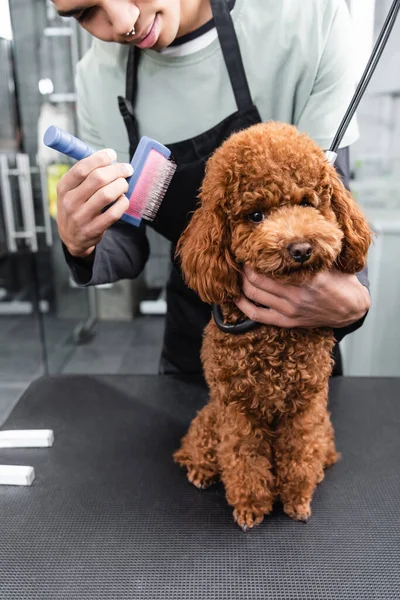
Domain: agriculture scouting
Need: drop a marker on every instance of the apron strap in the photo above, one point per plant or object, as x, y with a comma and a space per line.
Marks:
231, 52
127, 104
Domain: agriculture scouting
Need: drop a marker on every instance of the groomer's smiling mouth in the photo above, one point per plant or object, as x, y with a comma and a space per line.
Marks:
144, 34
150, 36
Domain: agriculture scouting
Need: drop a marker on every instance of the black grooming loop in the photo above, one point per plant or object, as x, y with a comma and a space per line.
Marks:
235, 328
247, 324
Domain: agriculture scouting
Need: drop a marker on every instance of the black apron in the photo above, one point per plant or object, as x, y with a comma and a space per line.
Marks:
187, 315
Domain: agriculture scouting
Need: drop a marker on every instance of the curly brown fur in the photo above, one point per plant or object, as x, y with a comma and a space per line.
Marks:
266, 431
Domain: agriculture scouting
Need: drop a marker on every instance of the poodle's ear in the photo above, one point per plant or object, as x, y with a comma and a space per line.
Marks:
206, 261
357, 234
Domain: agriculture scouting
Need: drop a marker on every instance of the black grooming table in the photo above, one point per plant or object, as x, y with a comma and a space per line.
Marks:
110, 516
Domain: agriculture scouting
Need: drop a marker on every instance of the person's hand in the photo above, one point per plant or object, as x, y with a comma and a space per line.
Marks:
83, 192
330, 299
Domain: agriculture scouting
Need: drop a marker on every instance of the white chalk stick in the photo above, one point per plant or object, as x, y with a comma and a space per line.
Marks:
16, 475
26, 438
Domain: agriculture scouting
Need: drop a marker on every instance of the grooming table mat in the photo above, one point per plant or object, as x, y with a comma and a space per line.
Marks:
110, 516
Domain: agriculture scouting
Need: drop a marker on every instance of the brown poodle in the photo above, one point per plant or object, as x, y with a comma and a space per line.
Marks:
271, 200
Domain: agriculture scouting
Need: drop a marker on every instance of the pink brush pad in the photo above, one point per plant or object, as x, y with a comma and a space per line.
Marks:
146, 184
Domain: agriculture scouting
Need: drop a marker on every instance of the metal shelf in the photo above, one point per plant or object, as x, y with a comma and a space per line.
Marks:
58, 32
67, 97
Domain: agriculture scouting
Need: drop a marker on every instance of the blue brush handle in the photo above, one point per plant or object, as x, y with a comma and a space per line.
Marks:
65, 142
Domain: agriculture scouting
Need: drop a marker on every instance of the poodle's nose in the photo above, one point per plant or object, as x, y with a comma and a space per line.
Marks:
300, 251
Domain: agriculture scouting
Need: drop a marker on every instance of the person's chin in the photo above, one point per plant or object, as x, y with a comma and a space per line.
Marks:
166, 37
159, 46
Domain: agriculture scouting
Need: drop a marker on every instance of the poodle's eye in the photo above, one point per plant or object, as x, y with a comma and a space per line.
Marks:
256, 217
306, 202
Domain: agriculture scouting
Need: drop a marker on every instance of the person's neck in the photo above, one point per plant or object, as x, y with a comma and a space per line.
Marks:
194, 14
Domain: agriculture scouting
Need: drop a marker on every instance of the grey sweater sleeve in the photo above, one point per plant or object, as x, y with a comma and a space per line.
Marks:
342, 166
121, 254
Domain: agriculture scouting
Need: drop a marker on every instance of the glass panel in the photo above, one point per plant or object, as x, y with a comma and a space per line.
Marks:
71, 312
21, 345
33, 272
374, 350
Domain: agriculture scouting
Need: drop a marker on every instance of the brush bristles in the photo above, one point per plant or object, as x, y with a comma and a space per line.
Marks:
161, 184
151, 186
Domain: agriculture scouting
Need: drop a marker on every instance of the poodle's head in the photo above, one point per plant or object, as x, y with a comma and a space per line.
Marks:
270, 200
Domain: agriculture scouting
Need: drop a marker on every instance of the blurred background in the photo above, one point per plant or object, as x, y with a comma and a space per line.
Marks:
48, 325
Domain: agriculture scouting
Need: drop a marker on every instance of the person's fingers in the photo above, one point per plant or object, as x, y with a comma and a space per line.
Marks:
267, 299
99, 184
267, 284
112, 214
80, 171
102, 198
101, 178
264, 315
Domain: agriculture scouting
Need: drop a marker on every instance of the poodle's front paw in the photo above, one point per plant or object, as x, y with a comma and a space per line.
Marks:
299, 512
247, 518
200, 479
200, 476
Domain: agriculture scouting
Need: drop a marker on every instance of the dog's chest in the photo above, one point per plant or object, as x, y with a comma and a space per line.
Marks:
270, 360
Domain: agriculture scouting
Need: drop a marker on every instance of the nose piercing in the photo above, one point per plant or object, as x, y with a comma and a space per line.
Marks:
131, 32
